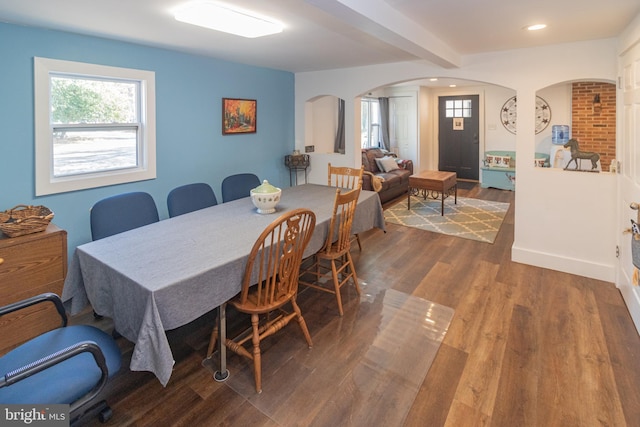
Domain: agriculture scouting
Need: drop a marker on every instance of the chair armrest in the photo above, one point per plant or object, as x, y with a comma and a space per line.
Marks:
51, 297
366, 181
406, 164
376, 181
60, 356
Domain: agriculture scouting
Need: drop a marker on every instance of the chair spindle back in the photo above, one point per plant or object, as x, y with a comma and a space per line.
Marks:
274, 262
345, 177
339, 232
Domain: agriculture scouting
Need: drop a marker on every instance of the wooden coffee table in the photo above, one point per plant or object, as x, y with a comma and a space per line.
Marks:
435, 184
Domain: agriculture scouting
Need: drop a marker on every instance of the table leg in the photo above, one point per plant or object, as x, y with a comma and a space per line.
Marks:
442, 207
222, 374
409, 199
455, 192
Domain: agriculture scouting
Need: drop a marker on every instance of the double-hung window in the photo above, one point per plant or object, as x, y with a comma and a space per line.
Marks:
94, 125
370, 123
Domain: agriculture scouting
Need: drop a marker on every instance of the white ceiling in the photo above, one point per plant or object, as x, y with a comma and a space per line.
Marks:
326, 34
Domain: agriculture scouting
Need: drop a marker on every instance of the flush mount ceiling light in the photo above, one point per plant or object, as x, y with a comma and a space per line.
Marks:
226, 18
536, 27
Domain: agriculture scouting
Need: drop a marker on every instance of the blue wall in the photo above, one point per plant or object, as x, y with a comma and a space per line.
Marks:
190, 145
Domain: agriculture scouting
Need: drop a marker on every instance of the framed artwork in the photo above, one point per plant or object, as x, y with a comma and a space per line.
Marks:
238, 116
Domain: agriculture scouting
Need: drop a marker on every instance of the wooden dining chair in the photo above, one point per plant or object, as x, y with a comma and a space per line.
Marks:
270, 282
346, 177
335, 258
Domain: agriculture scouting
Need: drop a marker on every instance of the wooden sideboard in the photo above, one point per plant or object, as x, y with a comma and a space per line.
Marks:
31, 265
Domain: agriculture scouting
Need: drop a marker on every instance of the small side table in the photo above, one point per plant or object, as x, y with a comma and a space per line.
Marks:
434, 184
295, 163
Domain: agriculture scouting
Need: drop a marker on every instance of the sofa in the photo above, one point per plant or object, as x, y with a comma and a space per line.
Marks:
388, 184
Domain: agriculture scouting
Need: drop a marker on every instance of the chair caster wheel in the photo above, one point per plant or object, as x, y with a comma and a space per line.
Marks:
105, 415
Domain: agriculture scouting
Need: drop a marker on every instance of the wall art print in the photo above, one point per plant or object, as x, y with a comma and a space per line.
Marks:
238, 116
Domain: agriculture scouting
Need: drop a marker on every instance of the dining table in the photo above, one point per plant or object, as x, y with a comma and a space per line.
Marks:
164, 275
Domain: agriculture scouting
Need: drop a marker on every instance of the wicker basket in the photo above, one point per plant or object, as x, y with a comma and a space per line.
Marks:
24, 219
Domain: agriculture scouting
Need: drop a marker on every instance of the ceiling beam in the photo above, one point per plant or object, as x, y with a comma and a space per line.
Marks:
378, 19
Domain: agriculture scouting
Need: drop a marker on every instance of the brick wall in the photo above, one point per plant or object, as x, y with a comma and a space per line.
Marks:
595, 129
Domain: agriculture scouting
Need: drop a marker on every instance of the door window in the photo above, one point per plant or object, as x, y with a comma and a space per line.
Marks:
458, 108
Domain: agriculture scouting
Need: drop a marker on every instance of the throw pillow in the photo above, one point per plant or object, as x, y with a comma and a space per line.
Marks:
502, 161
387, 164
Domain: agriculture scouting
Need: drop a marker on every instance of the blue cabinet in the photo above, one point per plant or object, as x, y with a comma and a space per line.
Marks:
502, 178
496, 175
499, 170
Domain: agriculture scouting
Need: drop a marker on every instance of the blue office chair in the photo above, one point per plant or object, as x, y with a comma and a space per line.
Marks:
68, 365
238, 186
122, 212
189, 198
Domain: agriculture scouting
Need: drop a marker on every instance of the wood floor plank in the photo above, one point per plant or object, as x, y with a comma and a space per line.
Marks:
479, 382
468, 321
462, 415
576, 384
519, 374
433, 402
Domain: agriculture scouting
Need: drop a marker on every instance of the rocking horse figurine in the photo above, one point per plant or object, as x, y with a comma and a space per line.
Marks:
576, 154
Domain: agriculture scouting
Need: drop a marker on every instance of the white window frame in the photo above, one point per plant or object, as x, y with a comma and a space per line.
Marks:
46, 183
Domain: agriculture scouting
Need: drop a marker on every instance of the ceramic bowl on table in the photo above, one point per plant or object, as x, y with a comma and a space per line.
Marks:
266, 197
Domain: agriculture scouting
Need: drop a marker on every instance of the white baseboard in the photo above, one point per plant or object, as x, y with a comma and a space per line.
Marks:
579, 267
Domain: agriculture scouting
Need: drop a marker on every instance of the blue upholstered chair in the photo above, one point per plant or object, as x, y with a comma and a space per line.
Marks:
238, 186
67, 365
189, 198
122, 212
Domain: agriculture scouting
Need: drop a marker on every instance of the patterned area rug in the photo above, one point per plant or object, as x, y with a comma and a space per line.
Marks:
471, 218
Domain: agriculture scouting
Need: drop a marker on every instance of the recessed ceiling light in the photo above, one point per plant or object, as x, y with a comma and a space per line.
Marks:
452, 85
433, 79
536, 27
226, 18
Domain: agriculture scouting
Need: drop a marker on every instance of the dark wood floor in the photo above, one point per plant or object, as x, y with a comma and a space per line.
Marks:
526, 346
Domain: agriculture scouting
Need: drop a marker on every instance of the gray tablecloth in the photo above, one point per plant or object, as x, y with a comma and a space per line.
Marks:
167, 274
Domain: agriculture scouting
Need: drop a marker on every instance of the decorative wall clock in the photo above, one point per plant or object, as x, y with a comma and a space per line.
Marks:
508, 114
